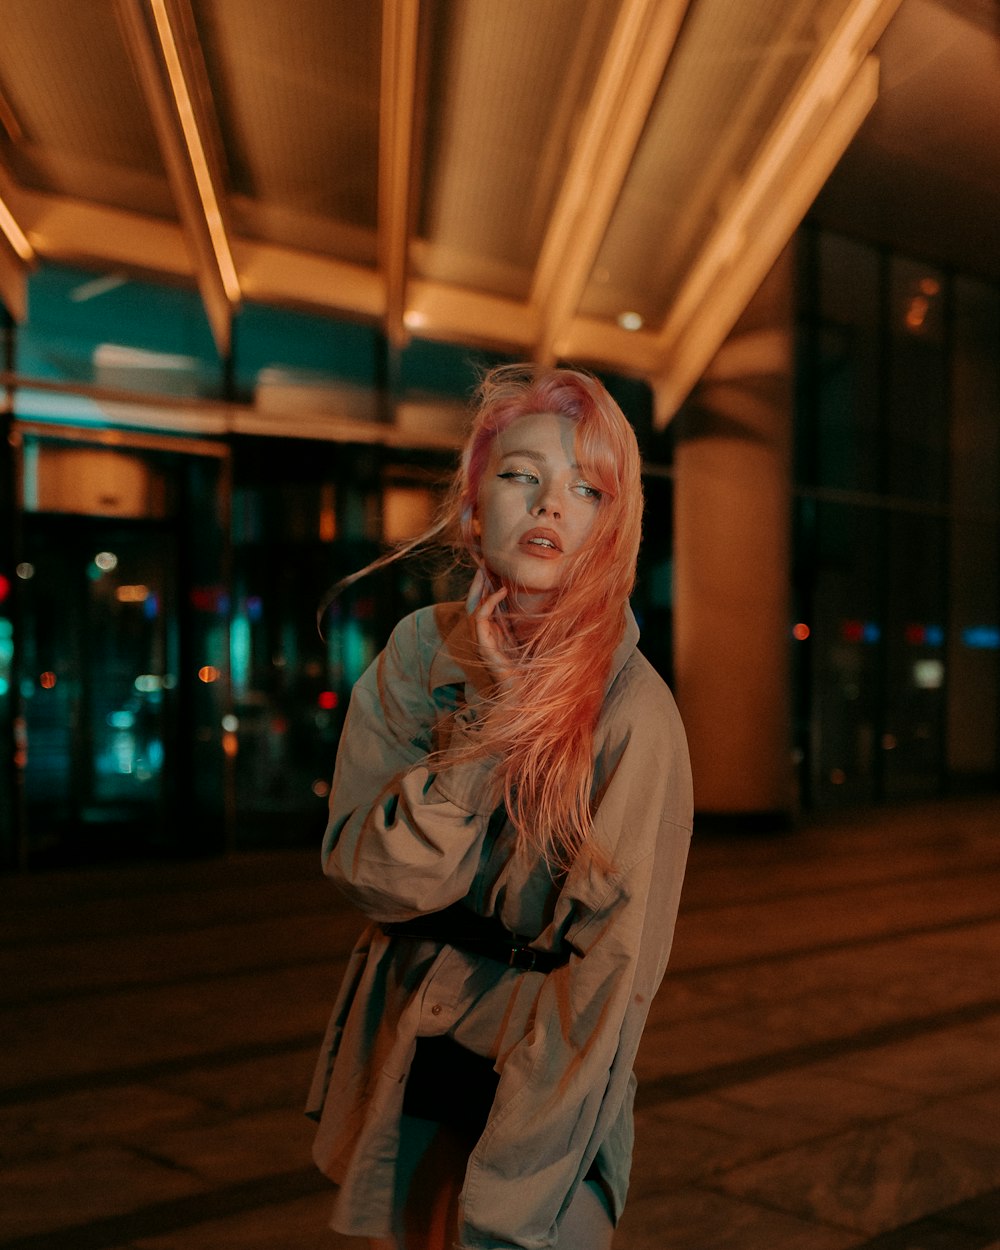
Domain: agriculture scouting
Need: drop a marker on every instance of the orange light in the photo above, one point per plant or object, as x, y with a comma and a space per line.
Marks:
132, 594
327, 513
916, 312
801, 631
209, 673
47, 680
230, 745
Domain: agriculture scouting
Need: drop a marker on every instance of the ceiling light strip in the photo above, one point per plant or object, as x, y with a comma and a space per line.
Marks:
196, 153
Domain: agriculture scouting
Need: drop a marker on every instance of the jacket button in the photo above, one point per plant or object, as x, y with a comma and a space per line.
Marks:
436, 1009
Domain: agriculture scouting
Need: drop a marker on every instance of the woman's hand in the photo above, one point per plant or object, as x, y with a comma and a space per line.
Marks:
490, 628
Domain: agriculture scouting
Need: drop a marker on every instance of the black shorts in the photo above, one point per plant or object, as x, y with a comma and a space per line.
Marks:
454, 1086
450, 1085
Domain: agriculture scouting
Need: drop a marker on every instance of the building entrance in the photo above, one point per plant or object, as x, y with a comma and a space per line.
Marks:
99, 684
121, 652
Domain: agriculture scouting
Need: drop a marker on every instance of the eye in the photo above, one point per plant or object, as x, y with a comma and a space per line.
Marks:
518, 475
588, 492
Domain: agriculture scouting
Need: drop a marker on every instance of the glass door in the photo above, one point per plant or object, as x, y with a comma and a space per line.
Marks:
98, 685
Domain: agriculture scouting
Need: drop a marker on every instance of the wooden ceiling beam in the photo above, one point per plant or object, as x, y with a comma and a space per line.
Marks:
272, 274
693, 343
163, 65
80, 232
460, 315
397, 94
807, 140
639, 49
17, 256
13, 282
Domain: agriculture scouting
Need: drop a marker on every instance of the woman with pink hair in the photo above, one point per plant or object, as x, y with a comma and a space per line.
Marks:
511, 809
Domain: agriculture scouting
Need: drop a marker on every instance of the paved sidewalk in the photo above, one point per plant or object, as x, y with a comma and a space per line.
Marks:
821, 1070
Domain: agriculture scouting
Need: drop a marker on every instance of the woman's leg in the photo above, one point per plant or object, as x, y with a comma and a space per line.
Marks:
429, 1179
587, 1225
430, 1173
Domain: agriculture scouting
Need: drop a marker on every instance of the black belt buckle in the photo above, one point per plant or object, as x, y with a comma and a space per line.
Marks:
522, 957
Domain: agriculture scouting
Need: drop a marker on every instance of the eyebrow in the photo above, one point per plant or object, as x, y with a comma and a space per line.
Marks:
533, 455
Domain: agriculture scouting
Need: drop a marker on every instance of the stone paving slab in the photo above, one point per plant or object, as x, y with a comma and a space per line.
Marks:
821, 1070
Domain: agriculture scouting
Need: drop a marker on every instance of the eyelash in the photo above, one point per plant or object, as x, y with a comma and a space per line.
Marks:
590, 492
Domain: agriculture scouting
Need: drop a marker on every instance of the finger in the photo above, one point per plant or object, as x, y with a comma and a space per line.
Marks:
503, 634
472, 599
491, 603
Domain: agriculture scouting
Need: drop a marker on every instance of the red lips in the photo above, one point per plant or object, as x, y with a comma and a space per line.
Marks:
543, 543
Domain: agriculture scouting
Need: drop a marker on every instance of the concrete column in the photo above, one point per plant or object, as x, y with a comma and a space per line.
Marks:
732, 559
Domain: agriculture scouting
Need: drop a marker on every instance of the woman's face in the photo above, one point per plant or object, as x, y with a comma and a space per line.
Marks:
535, 507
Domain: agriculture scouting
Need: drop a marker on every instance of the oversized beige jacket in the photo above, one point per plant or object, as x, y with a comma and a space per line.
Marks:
402, 841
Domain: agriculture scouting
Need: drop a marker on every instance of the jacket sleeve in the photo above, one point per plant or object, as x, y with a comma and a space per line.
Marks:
402, 839
564, 1087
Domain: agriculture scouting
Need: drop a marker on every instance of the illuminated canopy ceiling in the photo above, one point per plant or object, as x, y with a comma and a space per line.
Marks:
605, 181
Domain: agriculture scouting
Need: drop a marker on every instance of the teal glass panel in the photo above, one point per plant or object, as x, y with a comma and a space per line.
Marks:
912, 739
917, 384
301, 347
837, 435
444, 369
973, 659
114, 331
837, 668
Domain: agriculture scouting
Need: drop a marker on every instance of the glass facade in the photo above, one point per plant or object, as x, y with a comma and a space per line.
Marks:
896, 523
121, 667
306, 515
161, 662
182, 696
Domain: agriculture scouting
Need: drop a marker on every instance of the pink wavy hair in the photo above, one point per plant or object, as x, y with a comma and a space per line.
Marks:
541, 728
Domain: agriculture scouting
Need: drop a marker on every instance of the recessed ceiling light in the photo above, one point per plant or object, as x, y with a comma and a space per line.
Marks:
630, 320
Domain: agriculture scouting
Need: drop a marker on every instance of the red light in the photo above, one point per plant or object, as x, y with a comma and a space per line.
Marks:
852, 631
801, 631
4, 587
916, 635
328, 700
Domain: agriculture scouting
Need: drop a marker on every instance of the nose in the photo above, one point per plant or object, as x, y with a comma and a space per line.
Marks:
546, 505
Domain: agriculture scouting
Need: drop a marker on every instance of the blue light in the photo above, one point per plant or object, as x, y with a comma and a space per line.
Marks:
240, 650
982, 637
871, 632
934, 636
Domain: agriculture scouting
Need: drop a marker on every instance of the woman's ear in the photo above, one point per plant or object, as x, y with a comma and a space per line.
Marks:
474, 525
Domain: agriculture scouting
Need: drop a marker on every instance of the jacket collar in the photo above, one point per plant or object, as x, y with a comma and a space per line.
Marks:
456, 661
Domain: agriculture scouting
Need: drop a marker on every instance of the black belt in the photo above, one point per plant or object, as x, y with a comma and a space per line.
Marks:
478, 935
